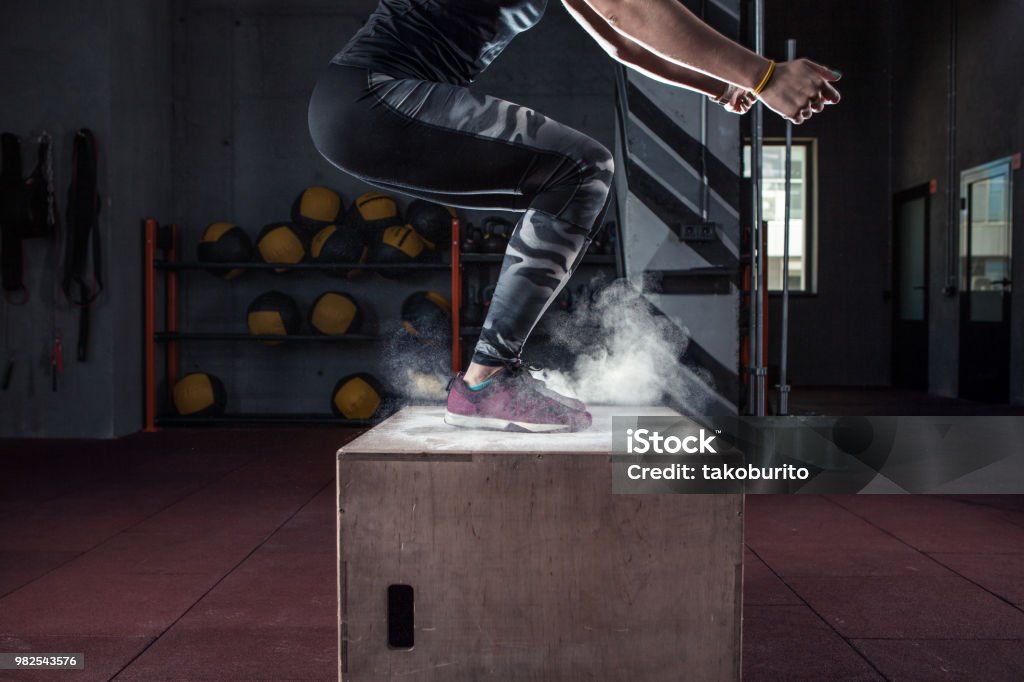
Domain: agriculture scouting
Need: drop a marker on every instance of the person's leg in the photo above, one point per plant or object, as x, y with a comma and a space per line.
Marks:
445, 143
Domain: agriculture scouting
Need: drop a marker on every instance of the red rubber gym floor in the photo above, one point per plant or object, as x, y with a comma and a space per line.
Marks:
209, 555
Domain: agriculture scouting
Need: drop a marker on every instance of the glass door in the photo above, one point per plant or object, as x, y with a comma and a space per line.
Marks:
910, 279
985, 291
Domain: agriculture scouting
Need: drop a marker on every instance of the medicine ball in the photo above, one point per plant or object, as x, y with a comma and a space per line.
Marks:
280, 243
334, 244
426, 315
316, 207
224, 243
370, 213
357, 396
398, 244
273, 314
334, 313
432, 221
199, 395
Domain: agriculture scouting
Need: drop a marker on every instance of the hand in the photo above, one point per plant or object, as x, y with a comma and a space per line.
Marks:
799, 89
736, 99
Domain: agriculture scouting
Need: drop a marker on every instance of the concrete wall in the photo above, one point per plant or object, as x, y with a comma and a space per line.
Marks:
841, 334
890, 133
989, 125
199, 109
64, 65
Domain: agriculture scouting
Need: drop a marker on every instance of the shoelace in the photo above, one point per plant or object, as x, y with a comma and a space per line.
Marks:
516, 369
520, 370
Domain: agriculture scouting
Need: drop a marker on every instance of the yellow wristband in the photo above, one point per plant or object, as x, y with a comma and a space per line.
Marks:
767, 77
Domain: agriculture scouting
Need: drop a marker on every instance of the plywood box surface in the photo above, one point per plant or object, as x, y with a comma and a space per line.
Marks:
524, 565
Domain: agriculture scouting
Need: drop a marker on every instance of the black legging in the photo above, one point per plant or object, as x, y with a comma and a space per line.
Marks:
443, 143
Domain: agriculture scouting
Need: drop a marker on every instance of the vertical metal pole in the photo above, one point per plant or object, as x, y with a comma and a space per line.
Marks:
704, 199
953, 229
149, 325
756, 353
171, 308
704, 191
456, 247
784, 346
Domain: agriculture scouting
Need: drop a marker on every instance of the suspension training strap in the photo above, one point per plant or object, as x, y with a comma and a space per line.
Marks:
83, 231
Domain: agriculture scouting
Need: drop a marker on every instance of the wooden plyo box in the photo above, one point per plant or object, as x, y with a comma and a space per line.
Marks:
523, 563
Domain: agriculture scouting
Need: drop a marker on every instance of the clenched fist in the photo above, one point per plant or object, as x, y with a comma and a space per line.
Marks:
799, 89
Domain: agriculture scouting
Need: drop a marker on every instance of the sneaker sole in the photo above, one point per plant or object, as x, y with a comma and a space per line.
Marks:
495, 424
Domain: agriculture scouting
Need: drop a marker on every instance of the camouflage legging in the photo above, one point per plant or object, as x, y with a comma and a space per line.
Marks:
443, 143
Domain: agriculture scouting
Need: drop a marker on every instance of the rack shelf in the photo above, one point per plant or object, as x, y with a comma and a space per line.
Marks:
262, 418
166, 337
171, 269
300, 267
590, 258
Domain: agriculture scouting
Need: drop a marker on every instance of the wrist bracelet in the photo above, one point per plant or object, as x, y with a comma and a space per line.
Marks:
767, 77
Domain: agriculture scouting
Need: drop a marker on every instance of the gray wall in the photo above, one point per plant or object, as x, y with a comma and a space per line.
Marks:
199, 109
104, 65
890, 134
841, 335
989, 125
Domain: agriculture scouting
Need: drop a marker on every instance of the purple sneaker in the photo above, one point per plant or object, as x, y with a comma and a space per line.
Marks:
511, 402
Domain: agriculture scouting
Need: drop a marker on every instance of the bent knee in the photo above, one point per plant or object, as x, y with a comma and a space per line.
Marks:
594, 164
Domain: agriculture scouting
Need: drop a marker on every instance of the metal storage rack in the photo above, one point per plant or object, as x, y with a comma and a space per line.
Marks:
161, 261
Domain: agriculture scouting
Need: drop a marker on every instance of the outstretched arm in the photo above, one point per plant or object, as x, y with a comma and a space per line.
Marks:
669, 30
650, 64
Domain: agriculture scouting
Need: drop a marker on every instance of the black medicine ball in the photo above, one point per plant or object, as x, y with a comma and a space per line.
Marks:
426, 315
334, 313
316, 207
199, 395
357, 396
280, 243
432, 221
370, 213
224, 242
273, 314
334, 244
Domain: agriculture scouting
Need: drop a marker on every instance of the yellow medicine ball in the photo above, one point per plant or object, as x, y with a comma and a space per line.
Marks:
334, 313
357, 396
370, 213
280, 243
273, 314
199, 395
316, 207
399, 244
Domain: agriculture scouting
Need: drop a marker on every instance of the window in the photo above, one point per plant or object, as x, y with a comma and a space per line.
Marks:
802, 213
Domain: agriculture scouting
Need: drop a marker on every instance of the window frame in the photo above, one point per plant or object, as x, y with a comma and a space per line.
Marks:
810, 144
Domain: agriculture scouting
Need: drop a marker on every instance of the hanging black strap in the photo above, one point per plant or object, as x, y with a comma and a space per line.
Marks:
82, 231
40, 202
12, 212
